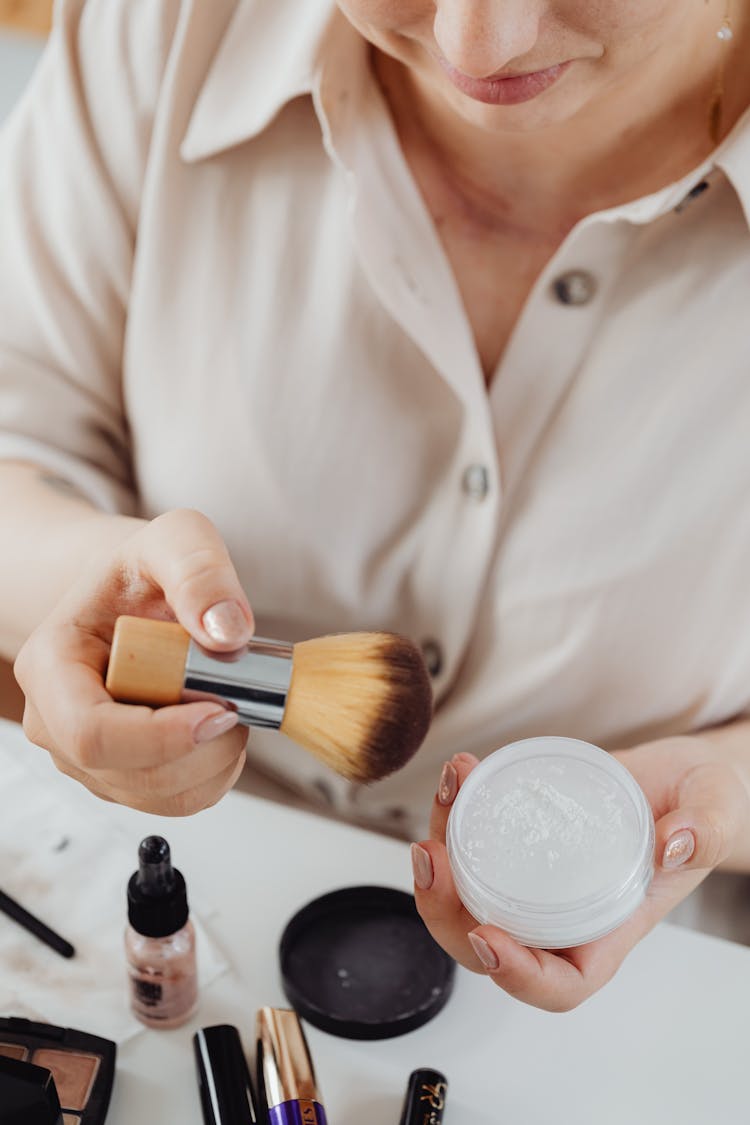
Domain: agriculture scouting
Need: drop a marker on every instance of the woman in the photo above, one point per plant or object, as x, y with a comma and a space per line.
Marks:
423, 316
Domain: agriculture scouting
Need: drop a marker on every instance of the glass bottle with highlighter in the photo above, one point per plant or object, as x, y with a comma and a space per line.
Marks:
160, 940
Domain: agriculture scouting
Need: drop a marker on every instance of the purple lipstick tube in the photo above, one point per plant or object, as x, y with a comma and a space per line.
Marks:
286, 1077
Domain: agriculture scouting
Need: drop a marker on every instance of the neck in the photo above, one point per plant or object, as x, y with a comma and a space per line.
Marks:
642, 133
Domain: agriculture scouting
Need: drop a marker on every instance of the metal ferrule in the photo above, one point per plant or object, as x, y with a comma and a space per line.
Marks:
255, 682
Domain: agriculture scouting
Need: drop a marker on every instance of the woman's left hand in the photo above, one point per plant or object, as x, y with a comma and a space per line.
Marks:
700, 806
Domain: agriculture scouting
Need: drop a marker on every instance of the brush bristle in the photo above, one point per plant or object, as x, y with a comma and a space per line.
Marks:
361, 702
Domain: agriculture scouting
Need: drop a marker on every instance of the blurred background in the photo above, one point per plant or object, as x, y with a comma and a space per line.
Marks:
23, 25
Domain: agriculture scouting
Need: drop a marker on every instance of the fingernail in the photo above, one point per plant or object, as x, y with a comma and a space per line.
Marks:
226, 623
679, 849
484, 952
448, 786
215, 725
424, 875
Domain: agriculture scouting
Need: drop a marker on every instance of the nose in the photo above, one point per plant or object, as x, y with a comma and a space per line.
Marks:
481, 37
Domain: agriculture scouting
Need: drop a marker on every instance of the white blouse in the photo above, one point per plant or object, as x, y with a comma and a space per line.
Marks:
220, 288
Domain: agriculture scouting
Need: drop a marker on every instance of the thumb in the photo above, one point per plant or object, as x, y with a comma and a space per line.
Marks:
185, 555
701, 831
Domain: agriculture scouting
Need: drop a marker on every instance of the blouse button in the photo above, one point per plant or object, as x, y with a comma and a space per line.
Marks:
476, 482
577, 287
433, 657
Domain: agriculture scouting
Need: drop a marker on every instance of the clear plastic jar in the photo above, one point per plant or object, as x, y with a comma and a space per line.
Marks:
552, 840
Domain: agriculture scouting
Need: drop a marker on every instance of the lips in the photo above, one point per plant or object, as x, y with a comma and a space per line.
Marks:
509, 89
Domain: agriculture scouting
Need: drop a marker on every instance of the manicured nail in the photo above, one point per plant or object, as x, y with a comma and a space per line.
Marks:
448, 786
679, 849
215, 725
484, 952
424, 875
226, 623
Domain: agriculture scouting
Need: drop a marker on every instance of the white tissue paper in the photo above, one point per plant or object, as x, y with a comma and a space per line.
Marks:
71, 871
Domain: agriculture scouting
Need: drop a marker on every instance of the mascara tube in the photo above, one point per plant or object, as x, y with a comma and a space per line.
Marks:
224, 1084
425, 1098
286, 1079
157, 662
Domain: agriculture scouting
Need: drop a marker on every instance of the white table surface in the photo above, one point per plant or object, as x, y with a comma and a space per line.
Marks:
664, 1042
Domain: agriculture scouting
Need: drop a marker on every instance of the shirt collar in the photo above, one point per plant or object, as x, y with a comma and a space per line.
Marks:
267, 57
733, 157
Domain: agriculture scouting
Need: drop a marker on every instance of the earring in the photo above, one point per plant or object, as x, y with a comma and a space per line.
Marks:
716, 109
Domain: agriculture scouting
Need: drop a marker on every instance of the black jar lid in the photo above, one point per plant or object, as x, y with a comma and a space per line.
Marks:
360, 963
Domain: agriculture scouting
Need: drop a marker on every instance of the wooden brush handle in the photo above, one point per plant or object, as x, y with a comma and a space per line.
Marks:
147, 661
26, 15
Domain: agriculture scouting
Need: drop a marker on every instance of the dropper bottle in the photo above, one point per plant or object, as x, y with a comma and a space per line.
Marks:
160, 940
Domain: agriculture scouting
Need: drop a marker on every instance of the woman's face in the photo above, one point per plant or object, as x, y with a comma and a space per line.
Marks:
524, 64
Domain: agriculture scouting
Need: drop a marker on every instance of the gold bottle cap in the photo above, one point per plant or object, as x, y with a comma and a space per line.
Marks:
286, 1066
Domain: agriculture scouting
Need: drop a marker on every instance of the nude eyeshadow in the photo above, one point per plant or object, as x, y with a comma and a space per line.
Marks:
74, 1075
13, 1051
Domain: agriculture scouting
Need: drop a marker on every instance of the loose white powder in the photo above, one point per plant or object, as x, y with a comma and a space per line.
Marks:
548, 830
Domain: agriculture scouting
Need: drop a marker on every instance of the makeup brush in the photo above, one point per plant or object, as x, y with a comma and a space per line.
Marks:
35, 926
360, 702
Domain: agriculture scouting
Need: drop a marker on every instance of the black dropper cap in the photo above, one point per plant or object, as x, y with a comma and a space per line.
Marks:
157, 895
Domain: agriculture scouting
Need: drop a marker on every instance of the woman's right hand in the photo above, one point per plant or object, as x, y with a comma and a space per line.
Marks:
171, 761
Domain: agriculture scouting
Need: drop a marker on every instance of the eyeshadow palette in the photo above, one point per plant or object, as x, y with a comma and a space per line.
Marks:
83, 1066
